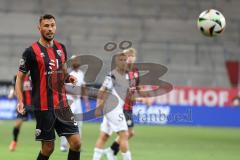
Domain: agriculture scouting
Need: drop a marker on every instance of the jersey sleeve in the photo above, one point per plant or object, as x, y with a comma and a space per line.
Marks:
108, 82
24, 63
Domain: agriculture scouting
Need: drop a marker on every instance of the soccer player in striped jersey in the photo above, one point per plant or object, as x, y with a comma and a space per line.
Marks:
45, 60
27, 87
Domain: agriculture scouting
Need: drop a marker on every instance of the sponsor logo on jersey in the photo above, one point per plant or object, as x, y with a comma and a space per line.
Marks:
42, 54
59, 52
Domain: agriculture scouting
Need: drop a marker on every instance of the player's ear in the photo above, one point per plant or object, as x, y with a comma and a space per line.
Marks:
38, 27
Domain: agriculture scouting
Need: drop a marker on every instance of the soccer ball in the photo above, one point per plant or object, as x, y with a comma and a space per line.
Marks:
211, 23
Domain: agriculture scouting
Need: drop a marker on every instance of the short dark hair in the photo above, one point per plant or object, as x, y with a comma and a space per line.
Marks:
46, 16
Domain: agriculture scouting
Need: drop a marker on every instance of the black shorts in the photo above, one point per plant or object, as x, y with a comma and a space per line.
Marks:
129, 118
60, 120
28, 114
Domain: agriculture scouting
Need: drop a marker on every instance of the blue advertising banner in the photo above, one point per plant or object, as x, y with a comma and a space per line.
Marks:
187, 115
7, 108
160, 114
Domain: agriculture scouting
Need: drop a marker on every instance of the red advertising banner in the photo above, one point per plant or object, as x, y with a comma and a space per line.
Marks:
196, 96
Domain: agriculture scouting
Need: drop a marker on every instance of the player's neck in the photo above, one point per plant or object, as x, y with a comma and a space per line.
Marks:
121, 71
45, 43
131, 66
75, 69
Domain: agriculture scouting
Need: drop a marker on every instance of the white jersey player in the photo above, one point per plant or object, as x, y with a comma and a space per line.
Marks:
110, 101
74, 94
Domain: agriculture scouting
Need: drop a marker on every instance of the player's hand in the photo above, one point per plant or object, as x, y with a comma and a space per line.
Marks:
72, 79
98, 112
20, 108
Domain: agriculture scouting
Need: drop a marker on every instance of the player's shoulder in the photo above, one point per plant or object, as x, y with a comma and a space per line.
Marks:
28, 51
135, 68
111, 75
80, 72
59, 43
73, 73
76, 73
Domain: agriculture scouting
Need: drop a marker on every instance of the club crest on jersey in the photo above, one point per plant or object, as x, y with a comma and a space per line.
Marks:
74, 122
42, 54
59, 52
38, 132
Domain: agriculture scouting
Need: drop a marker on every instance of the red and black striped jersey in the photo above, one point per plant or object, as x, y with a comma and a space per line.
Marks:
46, 71
134, 80
27, 88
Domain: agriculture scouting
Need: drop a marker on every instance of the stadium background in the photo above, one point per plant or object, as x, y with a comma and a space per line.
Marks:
204, 71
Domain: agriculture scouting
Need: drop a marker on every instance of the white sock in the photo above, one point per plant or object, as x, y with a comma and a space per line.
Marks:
127, 155
97, 154
64, 141
109, 154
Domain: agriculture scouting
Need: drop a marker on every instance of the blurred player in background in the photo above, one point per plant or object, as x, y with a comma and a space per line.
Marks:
133, 78
114, 119
27, 87
236, 101
44, 59
74, 94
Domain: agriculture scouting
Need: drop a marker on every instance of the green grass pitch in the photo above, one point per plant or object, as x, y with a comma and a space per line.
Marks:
150, 142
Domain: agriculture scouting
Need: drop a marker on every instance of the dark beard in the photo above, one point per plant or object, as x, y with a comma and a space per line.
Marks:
47, 39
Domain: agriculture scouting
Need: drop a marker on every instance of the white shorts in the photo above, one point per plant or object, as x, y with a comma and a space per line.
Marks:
114, 121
